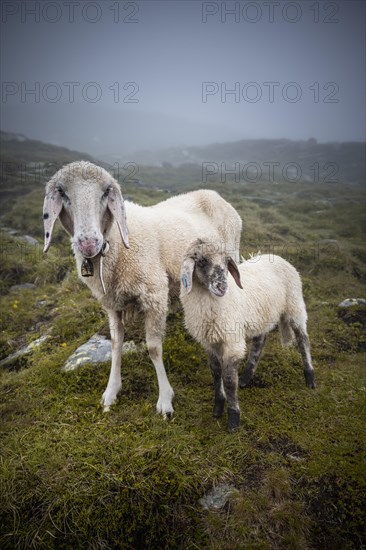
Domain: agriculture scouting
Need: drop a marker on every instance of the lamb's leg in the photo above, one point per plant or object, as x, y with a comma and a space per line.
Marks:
220, 398
253, 359
155, 327
303, 343
114, 383
230, 379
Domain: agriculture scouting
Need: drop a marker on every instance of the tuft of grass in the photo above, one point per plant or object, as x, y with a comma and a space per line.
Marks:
266, 516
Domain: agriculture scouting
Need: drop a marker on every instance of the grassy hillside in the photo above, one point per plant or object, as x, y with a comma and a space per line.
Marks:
26, 164
73, 477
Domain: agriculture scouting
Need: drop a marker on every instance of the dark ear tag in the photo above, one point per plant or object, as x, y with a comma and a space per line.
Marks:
87, 268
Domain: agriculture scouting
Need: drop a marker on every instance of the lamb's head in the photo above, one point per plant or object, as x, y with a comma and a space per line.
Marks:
208, 265
86, 199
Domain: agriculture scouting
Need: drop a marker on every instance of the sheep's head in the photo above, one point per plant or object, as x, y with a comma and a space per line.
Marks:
86, 199
210, 266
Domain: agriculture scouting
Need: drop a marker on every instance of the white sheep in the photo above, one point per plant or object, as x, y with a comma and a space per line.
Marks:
142, 273
222, 313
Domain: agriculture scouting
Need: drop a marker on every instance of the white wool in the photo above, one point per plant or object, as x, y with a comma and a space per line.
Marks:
271, 294
223, 312
142, 277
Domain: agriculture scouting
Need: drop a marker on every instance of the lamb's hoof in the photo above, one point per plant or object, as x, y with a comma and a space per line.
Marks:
245, 378
168, 416
310, 379
218, 409
233, 420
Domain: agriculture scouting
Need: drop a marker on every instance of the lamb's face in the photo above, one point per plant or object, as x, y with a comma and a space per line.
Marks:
209, 268
211, 271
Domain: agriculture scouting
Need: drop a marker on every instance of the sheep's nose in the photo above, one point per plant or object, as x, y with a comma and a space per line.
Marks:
222, 287
219, 289
88, 246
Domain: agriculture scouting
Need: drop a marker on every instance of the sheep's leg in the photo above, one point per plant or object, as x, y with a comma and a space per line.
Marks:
220, 397
155, 328
303, 343
114, 383
253, 359
230, 380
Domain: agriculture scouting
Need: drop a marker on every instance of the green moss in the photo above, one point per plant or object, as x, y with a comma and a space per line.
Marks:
73, 477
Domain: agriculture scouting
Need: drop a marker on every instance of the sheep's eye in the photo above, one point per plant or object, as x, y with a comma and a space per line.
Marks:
202, 262
106, 193
61, 192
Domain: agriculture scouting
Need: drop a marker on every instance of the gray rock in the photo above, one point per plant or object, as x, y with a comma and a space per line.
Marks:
96, 350
10, 231
263, 200
23, 351
294, 457
353, 302
217, 497
16, 233
130, 347
41, 303
329, 241
30, 240
325, 202
25, 286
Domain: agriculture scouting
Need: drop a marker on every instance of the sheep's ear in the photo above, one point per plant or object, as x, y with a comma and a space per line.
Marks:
233, 268
186, 273
66, 221
116, 206
52, 207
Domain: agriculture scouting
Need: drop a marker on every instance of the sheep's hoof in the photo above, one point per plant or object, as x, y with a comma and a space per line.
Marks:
233, 420
109, 398
165, 407
309, 379
245, 378
218, 409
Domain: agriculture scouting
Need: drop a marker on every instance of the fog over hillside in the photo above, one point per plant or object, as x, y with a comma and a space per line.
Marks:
27, 164
111, 78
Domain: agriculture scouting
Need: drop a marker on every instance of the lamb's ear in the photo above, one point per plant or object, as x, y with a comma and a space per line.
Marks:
116, 206
186, 273
233, 268
52, 207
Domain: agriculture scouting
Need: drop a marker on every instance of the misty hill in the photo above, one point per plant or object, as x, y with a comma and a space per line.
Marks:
18, 148
27, 163
260, 159
107, 131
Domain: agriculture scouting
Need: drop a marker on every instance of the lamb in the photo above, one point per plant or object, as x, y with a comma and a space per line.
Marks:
223, 312
130, 256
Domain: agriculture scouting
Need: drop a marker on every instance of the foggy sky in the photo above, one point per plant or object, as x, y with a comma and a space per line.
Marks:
271, 52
